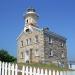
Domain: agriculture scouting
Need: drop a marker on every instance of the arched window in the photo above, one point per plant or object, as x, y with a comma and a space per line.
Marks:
27, 20
27, 30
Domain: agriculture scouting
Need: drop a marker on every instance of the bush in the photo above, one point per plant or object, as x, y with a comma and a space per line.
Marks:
6, 57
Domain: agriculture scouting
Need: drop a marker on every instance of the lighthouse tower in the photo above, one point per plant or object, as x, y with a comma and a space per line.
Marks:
30, 17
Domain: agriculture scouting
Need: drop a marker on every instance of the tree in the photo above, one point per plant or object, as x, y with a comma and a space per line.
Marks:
6, 57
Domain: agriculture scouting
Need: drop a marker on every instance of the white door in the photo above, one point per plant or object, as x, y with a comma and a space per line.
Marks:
27, 56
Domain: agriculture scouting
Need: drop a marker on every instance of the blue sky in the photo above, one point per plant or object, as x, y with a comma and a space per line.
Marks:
58, 15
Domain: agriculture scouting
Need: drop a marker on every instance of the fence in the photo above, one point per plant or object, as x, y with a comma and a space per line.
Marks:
12, 69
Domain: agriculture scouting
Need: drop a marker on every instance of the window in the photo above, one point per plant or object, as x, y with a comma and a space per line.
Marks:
28, 41
21, 54
36, 38
27, 30
51, 52
62, 55
27, 20
27, 52
21, 43
50, 40
31, 54
62, 44
36, 52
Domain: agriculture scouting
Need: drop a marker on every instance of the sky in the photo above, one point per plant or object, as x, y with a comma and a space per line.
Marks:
58, 15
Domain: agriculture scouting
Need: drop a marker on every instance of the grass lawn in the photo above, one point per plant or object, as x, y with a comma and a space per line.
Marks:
44, 66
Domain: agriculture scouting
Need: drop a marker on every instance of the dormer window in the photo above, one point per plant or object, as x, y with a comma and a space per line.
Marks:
50, 40
62, 44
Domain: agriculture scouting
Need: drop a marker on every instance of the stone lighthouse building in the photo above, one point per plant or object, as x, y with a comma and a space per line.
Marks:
40, 45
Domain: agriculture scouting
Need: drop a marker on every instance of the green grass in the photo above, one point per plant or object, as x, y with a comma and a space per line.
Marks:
44, 66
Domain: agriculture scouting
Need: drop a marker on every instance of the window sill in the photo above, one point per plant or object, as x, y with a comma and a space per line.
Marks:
22, 46
62, 57
50, 43
21, 58
50, 55
36, 42
36, 55
28, 44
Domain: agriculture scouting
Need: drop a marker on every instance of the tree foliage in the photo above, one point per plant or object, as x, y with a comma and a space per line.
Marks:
6, 57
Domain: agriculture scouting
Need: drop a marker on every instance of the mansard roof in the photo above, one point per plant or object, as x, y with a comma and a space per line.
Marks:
50, 33
46, 32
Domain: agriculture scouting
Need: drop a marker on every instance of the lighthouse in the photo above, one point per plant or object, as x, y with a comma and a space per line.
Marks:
30, 17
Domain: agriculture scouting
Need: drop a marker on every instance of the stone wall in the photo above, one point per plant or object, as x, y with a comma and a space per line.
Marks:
57, 48
43, 47
39, 46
